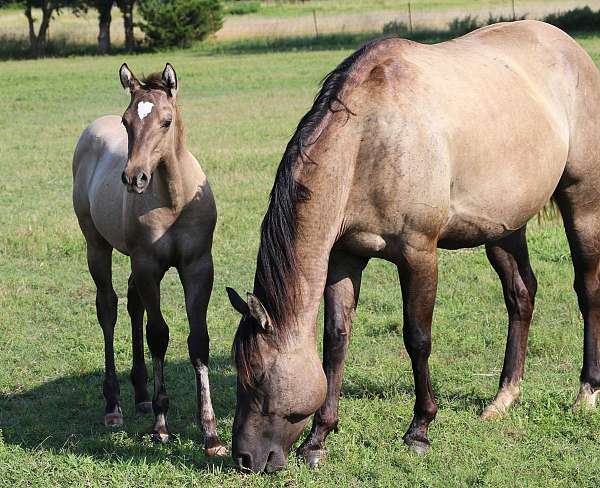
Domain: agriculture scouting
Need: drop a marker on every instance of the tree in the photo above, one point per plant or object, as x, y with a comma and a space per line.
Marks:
38, 40
126, 8
104, 8
179, 22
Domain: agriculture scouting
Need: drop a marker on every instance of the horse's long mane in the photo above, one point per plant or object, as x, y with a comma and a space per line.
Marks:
277, 263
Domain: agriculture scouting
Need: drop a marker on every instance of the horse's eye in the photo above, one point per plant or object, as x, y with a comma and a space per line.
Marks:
166, 123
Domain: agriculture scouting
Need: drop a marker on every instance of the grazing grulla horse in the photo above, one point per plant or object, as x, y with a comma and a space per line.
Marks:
137, 189
409, 148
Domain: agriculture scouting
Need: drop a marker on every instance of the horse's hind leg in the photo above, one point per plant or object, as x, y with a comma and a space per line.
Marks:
139, 373
341, 295
147, 274
580, 209
510, 259
99, 258
197, 280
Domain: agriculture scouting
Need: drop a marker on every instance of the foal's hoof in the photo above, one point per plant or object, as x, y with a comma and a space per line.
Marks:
216, 451
419, 445
160, 437
586, 399
114, 419
143, 408
312, 457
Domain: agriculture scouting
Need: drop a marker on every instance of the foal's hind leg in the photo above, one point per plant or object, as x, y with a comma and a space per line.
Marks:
510, 259
99, 258
341, 295
139, 373
147, 274
580, 210
197, 280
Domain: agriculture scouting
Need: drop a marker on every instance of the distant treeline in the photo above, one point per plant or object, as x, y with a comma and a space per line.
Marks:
164, 22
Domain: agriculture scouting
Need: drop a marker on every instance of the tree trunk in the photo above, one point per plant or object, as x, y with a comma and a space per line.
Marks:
126, 7
104, 20
38, 41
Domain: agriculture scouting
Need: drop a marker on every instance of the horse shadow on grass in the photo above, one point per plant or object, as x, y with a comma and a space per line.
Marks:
66, 416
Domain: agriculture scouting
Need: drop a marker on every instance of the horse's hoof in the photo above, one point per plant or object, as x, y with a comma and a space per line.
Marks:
160, 437
313, 457
419, 445
114, 419
492, 412
216, 451
586, 399
143, 408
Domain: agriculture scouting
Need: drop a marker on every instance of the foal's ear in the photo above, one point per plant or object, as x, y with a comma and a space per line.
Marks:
170, 78
237, 301
259, 312
128, 79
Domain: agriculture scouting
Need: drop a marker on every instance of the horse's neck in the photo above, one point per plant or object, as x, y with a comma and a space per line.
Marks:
321, 222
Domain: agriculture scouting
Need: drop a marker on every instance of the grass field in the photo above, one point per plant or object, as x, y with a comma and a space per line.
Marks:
240, 111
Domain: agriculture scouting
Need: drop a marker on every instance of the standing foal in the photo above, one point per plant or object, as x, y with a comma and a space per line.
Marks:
137, 189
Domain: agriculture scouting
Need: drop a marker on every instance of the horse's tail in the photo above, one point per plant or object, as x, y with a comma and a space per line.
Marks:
549, 212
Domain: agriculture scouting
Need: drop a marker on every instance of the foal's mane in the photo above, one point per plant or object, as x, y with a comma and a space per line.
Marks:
277, 263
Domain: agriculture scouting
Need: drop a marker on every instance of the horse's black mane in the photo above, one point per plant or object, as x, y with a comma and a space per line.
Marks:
277, 264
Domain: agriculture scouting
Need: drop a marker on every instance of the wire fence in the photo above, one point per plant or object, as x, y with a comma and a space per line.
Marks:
415, 15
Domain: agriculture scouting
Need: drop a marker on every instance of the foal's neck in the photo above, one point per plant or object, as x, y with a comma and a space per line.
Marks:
172, 171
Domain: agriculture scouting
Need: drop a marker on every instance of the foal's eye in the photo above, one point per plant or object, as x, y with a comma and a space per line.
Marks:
166, 123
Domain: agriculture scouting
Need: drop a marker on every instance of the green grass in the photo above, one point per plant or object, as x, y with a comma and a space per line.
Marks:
240, 111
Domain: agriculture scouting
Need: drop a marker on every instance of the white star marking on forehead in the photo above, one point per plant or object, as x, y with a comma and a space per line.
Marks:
144, 108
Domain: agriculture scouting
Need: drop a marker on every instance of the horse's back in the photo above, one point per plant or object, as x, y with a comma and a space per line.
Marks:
98, 195
476, 132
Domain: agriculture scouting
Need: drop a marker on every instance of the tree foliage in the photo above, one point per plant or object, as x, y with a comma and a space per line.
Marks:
179, 22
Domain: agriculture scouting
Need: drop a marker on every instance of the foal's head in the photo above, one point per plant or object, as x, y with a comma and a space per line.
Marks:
152, 124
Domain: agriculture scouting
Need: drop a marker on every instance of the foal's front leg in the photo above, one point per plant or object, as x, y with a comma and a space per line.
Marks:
341, 296
418, 278
147, 274
197, 280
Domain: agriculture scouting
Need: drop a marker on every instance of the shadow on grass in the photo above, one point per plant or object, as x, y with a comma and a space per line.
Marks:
66, 415
17, 48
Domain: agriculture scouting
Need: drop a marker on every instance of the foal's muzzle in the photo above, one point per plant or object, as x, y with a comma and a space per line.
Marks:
136, 184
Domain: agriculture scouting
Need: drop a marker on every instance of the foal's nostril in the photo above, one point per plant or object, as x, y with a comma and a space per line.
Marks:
125, 179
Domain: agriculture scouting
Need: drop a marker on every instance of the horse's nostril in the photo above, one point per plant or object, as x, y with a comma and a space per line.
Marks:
143, 177
244, 462
124, 178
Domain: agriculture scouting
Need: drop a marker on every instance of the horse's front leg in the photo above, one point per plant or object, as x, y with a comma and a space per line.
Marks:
418, 279
147, 274
510, 259
197, 280
341, 295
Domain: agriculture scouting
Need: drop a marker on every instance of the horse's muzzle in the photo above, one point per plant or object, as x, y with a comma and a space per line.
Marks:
136, 184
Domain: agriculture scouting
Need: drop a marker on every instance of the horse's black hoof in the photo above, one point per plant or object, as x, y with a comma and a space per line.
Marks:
143, 408
418, 444
312, 457
114, 419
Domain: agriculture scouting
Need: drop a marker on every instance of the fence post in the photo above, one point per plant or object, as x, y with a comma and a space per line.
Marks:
315, 22
513, 9
410, 26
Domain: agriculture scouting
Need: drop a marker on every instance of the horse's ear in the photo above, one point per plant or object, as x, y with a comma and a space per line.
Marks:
237, 301
128, 79
170, 78
259, 312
